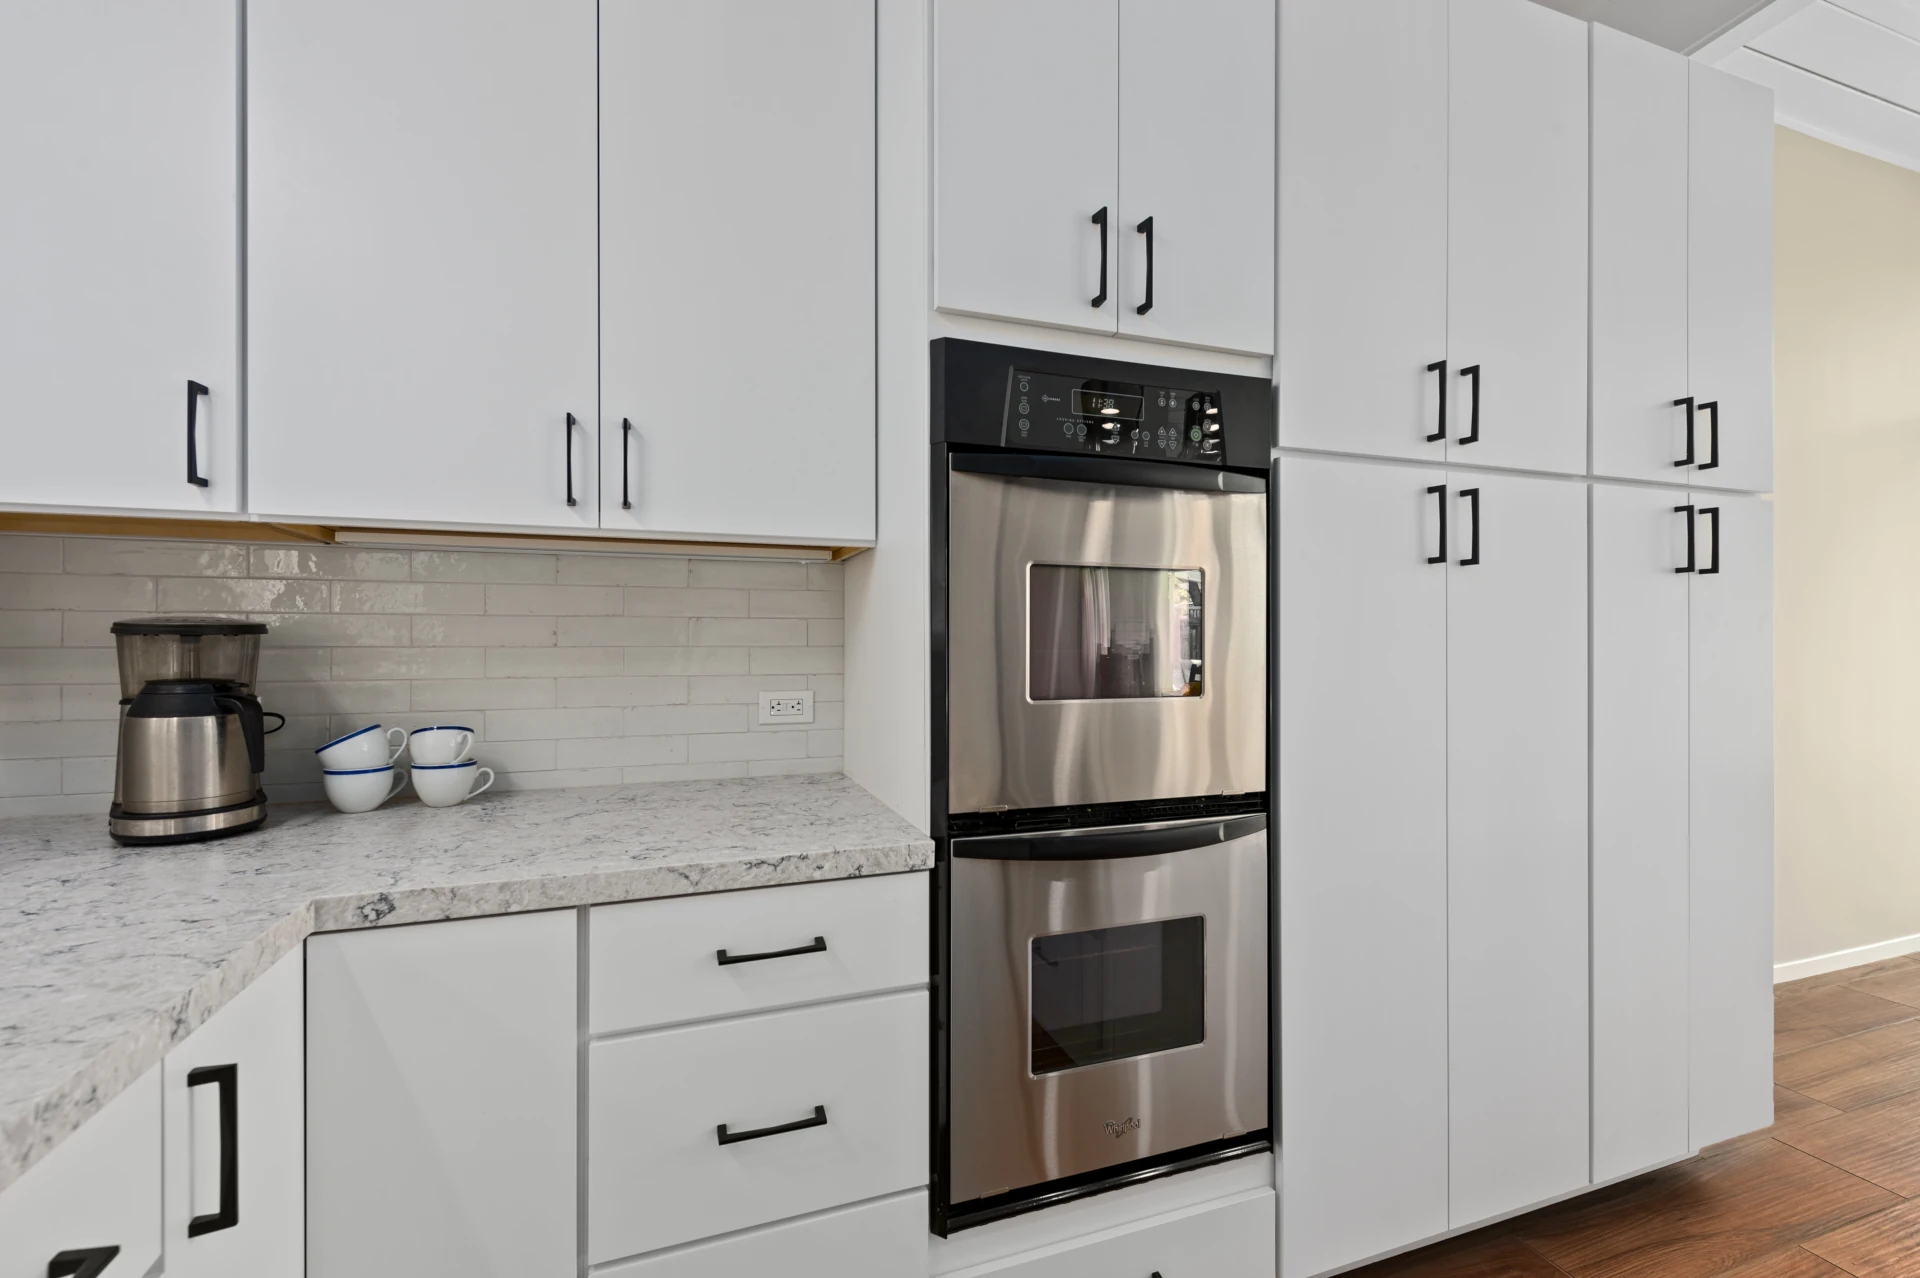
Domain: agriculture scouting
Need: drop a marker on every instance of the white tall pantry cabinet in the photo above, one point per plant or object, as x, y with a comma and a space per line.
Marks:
120, 256
1524, 722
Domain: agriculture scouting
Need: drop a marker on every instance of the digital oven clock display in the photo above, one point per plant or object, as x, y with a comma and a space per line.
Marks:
1112, 406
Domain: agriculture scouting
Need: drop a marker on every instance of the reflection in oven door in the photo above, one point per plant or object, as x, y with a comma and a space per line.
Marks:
1105, 1010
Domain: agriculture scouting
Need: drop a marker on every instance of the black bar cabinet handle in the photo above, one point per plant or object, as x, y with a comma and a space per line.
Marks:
1687, 404
1100, 220
1440, 491
1688, 512
1146, 228
1712, 514
87, 1262
194, 391
227, 1215
1473, 495
626, 435
1440, 366
571, 423
819, 1119
1473, 421
819, 946
1712, 409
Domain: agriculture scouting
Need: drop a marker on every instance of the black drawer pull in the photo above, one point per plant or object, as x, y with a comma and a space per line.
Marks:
88, 1262
1440, 366
819, 946
819, 1119
626, 440
1473, 422
1712, 409
227, 1215
194, 391
1100, 220
1440, 491
1687, 404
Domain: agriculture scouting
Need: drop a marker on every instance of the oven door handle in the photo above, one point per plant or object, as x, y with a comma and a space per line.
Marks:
1112, 844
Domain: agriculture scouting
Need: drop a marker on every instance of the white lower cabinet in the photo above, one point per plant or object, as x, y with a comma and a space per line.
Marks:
98, 1191
705, 1129
235, 1117
884, 1239
442, 1068
1232, 1238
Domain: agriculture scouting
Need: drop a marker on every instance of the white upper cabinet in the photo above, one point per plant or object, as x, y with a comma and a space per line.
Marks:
1196, 172
1062, 126
1516, 822
737, 269
235, 1107
422, 262
1517, 236
1433, 231
1639, 275
1730, 280
1026, 180
119, 255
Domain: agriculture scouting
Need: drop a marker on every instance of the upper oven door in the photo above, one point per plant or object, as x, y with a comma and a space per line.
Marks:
1106, 642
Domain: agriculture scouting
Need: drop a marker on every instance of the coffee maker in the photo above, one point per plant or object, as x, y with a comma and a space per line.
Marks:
193, 736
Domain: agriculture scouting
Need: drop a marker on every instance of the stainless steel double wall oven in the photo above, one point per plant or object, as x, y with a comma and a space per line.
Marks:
1102, 913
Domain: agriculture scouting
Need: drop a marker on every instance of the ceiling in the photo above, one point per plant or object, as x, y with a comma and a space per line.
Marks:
1847, 71
1682, 25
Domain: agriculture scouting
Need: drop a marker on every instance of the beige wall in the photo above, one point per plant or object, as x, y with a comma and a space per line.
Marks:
1847, 377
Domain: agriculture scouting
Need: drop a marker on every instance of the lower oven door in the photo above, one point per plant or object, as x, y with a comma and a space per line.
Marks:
1109, 998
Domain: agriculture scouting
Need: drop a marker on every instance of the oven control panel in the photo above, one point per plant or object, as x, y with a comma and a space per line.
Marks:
1055, 414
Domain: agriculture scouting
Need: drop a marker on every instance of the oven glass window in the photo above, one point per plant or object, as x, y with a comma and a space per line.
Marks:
1115, 992
1108, 633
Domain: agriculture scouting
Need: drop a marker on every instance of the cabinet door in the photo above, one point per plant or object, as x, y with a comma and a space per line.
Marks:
441, 1100
1730, 273
119, 254
1639, 875
1639, 274
1731, 900
1363, 862
248, 1055
1196, 159
1516, 896
1025, 146
737, 242
1363, 225
1517, 235
421, 262
98, 1188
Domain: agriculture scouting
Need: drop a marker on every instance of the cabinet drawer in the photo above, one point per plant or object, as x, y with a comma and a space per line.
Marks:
98, 1188
887, 1239
658, 962
657, 1172
1234, 1238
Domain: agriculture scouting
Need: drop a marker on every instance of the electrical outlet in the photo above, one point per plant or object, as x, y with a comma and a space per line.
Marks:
786, 707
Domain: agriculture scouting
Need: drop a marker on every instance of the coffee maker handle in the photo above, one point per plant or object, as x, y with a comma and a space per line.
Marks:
273, 714
253, 726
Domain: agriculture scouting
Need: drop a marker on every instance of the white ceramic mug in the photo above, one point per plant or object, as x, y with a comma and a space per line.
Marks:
442, 785
367, 748
362, 789
437, 746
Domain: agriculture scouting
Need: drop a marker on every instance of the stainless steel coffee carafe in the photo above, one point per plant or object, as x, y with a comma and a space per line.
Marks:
192, 732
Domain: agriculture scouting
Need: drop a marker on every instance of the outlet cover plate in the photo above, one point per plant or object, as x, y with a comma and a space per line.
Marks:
786, 707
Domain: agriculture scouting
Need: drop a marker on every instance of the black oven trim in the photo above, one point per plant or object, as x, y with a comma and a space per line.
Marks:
956, 442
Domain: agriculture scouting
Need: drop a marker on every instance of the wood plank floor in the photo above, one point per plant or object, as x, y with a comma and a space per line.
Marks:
1832, 1189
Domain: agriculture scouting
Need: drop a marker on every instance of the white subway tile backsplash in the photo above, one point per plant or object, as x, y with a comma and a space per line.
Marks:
114, 557
623, 570
575, 669
221, 595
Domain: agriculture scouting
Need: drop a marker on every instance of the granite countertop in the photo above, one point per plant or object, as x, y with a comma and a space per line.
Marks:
109, 956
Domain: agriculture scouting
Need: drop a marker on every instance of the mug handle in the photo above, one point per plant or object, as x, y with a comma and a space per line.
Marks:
399, 781
477, 789
461, 753
398, 746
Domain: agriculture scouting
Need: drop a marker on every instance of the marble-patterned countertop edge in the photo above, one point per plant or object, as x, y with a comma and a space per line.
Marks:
32, 1130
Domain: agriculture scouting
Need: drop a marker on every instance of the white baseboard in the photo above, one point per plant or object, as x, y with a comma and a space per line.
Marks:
1821, 964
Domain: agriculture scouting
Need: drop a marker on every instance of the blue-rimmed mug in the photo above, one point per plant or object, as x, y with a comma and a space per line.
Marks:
442, 785
362, 789
440, 745
366, 747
